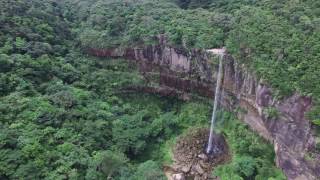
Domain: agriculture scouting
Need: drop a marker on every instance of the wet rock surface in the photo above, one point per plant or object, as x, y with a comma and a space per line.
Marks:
190, 161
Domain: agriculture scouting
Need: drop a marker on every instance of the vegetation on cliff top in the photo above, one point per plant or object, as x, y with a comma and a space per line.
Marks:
278, 40
63, 114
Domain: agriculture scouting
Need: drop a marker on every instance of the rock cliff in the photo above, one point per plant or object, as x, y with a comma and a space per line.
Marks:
195, 71
287, 129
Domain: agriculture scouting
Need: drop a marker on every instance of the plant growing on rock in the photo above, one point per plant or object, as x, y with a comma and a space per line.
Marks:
271, 113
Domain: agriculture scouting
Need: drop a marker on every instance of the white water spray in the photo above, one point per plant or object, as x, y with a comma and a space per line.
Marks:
215, 104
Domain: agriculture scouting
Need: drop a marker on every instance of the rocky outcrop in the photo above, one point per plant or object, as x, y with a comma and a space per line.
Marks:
195, 71
189, 161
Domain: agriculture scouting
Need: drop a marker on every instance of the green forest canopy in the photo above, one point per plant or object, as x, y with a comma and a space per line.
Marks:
278, 40
62, 113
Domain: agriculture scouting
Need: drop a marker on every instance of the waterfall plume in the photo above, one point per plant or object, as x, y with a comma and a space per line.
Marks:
210, 148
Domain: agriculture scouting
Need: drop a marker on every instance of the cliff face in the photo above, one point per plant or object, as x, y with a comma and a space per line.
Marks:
288, 129
177, 69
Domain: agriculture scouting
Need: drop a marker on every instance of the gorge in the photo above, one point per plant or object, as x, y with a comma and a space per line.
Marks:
290, 132
159, 89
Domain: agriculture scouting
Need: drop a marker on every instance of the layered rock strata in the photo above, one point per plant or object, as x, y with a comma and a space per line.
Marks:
195, 72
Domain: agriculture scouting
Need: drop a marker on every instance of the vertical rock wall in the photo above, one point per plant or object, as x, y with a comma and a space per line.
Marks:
289, 130
190, 71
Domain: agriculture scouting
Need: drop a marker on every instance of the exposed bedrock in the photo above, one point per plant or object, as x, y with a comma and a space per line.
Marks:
195, 71
190, 160
288, 130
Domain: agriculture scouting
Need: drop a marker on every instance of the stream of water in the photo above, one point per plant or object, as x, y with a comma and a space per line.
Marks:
210, 147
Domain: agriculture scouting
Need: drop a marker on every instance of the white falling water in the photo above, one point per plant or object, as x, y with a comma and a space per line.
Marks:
210, 147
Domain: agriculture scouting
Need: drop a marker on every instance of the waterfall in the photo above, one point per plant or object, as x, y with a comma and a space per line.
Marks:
210, 147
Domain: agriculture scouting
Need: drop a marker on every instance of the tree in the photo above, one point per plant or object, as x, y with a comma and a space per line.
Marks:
149, 170
130, 133
104, 164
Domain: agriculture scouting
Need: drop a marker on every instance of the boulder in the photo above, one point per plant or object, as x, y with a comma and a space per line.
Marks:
179, 176
198, 169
